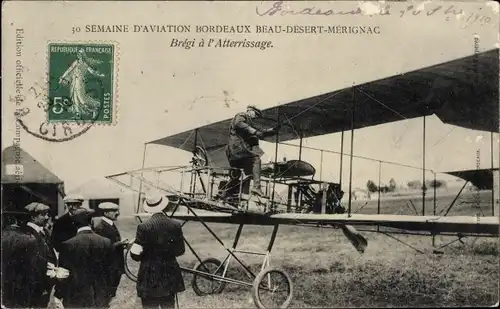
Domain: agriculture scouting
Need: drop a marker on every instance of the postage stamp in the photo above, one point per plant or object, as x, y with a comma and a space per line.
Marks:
81, 82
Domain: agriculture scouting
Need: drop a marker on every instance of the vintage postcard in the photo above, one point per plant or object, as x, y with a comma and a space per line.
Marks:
240, 154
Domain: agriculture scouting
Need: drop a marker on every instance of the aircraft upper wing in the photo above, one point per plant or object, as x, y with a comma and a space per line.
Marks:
461, 92
481, 178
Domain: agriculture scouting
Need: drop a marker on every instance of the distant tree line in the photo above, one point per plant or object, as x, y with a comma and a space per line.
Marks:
413, 184
372, 187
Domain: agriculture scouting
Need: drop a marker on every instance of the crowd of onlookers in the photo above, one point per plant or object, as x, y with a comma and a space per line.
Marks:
81, 263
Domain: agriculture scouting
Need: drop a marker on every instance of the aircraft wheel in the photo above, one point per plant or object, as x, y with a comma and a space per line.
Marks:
200, 157
272, 288
131, 266
205, 285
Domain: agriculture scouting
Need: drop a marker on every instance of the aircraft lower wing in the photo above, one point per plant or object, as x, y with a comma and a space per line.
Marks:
431, 224
434, 224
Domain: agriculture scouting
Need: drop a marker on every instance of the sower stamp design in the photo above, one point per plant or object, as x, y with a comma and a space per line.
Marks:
81, 83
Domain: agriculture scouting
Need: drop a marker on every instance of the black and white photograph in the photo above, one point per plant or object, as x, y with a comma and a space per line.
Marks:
250, 154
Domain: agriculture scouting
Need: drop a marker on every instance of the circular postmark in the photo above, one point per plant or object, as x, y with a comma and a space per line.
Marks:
32, 113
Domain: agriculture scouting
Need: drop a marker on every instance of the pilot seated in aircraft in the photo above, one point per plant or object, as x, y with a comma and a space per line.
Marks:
243, 151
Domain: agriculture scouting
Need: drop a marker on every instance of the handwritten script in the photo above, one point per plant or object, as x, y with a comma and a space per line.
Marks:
447, 11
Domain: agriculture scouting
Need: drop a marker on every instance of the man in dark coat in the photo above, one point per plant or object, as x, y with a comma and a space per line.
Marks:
16, 268
16, 263
26, 258
108, 229
42, 286
243, 151
88, 257
64, 227
159, 241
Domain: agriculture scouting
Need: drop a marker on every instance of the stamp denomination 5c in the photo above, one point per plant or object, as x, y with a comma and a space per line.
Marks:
81, 83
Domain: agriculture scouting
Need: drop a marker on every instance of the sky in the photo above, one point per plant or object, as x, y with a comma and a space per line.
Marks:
163, 90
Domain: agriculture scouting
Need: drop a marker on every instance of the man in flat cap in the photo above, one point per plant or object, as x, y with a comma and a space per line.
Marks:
27, 258
64, 227
107, 228
243, 151
16, 271
88, 257
39, 216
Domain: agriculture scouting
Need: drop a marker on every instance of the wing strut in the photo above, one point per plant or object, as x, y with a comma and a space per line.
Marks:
341, 157
493, 176
454, 200
423, 168
459, 239
404, 243
352, 146
140, 184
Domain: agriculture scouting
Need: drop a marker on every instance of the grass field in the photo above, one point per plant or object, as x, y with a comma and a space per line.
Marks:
328, 272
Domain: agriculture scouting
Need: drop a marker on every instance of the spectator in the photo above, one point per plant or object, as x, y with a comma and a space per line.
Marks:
108, 229
26, 260
64, 227
16, 292
89, 258
46, 255
159, 241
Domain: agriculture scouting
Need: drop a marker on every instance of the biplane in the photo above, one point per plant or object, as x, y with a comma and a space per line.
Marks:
462, 92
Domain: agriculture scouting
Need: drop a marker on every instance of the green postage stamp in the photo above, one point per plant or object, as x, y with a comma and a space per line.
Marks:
81, 83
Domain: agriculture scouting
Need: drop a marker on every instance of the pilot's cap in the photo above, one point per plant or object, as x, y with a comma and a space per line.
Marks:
37, 208
72, 198
257, 111
108, 206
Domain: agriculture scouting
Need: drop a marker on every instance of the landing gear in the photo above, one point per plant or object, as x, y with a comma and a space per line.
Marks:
206, 285
272, 289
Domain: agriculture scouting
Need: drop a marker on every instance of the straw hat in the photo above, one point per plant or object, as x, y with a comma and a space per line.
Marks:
155, 203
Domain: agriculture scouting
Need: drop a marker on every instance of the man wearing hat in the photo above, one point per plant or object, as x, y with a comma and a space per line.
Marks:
88, 257
64, 227
107, 228
243, 151
17, 268
159, 241
27, 256
39, 217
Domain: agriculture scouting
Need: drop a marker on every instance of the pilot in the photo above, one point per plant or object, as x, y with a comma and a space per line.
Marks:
243, 151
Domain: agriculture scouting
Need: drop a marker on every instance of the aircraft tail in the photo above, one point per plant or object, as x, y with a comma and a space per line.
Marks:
356, 239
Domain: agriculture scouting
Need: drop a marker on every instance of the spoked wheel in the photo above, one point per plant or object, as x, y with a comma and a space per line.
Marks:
200, 157
205, 284
272, 288
131, 266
